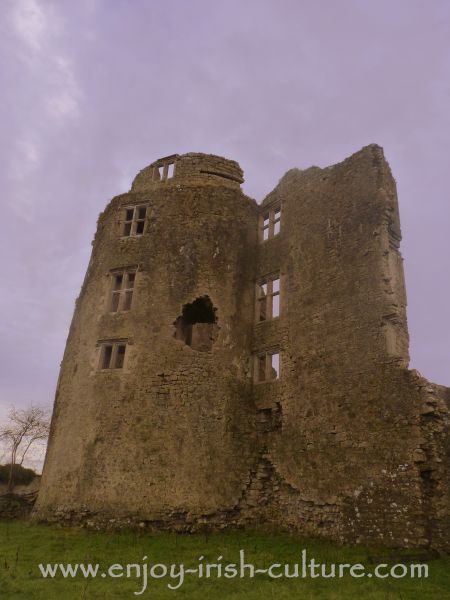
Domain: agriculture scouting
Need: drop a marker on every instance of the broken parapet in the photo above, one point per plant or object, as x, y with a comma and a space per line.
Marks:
189, 169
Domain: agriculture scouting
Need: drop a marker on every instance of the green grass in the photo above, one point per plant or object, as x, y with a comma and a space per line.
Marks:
23, 546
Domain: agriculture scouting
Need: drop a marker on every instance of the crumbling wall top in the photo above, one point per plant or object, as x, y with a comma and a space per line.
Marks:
192, 168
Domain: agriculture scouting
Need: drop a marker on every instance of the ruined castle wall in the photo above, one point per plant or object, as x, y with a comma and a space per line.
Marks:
347, 443
434, 460
194, 167
350, 430
171, 434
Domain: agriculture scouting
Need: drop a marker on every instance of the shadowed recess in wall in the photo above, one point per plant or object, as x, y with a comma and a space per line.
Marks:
197, 325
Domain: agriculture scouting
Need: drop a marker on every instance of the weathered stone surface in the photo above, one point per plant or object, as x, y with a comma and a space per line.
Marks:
347, 443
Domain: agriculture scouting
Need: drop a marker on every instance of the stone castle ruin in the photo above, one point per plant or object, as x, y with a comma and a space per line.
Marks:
233, 364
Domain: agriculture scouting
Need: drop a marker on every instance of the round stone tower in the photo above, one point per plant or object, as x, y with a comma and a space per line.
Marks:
153, 417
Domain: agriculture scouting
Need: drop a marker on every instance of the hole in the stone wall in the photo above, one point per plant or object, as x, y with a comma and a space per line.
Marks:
197, 326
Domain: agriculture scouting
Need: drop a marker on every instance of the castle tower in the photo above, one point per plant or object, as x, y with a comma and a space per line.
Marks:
152, 410
230, 363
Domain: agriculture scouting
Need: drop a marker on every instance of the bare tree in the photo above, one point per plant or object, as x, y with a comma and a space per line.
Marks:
25, 427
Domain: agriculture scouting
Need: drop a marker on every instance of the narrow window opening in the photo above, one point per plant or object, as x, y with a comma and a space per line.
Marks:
197, 325
170, 170
122, 290
140, 219
274, 365
262, 301
115, 301
267, 366
275, 306
120, 356
275, 298
268, 298
127, 300
106, 356
118, 282
265, 226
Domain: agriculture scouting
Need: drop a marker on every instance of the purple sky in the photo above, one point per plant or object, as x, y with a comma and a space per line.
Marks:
94, 90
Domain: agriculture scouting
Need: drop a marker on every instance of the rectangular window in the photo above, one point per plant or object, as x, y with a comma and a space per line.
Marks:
270, 223
106, 356
170, 170
265, 226
274, 365
112, 354
120, 356
122, 290
276, 221
164, 170
261, 367
267, 366
133, 222
268, 298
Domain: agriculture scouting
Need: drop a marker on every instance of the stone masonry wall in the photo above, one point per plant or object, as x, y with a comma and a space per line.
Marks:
347, 443
191, 168
173, 431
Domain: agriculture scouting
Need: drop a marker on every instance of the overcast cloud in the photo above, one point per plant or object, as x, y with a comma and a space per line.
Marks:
94, 90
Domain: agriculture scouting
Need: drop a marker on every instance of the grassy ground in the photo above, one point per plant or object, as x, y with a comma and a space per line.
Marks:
23, 546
